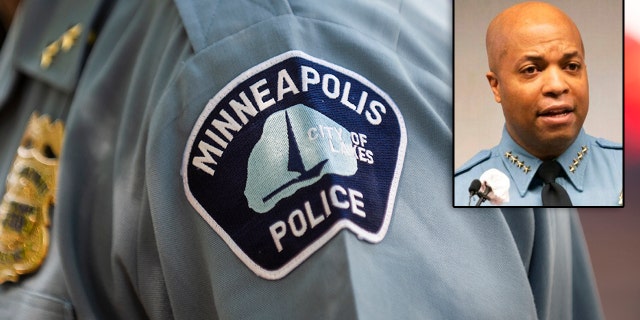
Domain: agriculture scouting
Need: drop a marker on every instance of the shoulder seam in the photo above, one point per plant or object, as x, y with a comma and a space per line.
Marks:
478, 158
606, 144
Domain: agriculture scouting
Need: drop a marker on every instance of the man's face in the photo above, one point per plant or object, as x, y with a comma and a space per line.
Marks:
541, 81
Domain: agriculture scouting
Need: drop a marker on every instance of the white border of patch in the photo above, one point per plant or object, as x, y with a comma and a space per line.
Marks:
342, 224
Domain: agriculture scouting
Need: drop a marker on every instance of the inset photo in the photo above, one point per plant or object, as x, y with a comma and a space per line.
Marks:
538, 103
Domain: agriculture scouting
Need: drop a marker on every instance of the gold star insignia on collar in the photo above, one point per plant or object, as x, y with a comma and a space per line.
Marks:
576, 161
520, 164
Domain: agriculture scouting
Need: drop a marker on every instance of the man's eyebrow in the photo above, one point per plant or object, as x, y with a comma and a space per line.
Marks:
541, 57
530, 57
571, 54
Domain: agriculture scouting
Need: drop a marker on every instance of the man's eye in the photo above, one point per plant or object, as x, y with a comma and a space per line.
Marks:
530, 70
573, 66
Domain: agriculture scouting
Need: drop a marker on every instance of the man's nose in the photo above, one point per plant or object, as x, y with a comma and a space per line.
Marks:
555, 83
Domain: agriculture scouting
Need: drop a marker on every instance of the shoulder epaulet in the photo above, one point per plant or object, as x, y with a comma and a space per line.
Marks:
197, 17
606, 144
478, 158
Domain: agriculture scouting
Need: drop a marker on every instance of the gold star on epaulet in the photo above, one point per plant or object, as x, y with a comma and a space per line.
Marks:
65, 42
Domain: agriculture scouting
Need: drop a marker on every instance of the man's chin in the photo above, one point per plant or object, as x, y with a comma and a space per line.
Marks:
557, 143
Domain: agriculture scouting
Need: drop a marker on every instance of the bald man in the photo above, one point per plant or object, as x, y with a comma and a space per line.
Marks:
538, 73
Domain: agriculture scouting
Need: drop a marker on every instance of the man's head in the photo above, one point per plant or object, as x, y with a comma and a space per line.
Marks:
538, 74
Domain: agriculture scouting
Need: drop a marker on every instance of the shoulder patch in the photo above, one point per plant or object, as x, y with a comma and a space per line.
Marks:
288, 154
478, 158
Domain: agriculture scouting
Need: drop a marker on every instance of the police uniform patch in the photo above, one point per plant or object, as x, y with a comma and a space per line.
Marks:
288, 154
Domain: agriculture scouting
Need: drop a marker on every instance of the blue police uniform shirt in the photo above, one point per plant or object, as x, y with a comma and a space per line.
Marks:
127, 240
592, 172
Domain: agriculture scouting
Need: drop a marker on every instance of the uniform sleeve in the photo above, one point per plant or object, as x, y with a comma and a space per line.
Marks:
285, 160
433, 261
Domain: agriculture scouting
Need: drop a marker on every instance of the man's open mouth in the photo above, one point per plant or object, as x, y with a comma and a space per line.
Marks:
555, 112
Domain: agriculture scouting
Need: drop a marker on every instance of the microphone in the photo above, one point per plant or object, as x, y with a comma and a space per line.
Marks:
483, 196
474, 187
493, 185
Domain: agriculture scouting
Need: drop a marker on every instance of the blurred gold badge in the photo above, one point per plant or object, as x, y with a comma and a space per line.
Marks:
29, 195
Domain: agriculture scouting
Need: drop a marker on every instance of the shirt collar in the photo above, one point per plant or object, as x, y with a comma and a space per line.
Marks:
575, 160
522, 166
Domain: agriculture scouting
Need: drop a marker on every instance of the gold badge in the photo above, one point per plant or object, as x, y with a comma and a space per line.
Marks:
30, 193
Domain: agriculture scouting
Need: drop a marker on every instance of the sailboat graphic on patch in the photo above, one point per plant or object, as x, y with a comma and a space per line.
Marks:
296, 164
297, 148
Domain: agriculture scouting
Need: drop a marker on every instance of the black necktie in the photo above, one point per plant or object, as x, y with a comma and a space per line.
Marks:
553, 194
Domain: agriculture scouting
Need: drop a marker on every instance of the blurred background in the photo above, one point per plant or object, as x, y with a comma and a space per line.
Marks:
613, 235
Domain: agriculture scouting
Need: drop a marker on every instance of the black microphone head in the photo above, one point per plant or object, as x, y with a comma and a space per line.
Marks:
474, 187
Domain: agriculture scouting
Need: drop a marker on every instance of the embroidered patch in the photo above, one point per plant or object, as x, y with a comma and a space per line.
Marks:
288, 154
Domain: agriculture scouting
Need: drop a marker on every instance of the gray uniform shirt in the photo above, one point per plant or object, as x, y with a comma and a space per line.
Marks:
127, 240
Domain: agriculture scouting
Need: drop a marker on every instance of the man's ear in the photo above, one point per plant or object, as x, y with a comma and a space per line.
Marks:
493, 83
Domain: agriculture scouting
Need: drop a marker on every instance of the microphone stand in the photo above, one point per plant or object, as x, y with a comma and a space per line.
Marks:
484, 196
